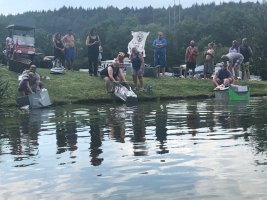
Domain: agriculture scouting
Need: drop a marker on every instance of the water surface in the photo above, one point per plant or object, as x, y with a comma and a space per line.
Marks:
174, 150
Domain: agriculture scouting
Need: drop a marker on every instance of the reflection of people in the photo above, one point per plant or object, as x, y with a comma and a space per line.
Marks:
161, 129
96, 142
192, 119
93, 44
246, 51
66, 133
69, 44
139, 131
191, 57
116, 123
208, 63
137, 61
58, 49
159, 46
113, 74
223, 76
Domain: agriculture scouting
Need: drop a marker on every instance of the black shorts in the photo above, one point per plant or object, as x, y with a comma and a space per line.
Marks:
190, 65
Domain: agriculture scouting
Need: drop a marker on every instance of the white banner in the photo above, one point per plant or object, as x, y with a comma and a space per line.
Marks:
138, 41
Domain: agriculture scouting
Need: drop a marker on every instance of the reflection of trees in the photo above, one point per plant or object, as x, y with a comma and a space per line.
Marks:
22, 132
96, 140
116, 123
139, 131
257, 122
192, 119
66, 129
233, 114
161, 129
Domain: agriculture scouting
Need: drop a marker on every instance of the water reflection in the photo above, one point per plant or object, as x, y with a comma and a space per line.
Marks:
96, 137
139, 131
183, 145
161, 128
66, 131
116, 123
193, 119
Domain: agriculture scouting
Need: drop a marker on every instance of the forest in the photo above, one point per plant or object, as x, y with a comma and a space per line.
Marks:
203, 23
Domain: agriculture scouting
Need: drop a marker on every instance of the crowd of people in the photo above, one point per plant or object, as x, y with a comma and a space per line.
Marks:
238, 58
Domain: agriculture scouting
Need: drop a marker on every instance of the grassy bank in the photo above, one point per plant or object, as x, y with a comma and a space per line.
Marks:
78, 87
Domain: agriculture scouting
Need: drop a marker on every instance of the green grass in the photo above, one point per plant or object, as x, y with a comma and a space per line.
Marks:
78, 87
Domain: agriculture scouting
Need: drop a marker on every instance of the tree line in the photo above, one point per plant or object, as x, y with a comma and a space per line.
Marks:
220, 24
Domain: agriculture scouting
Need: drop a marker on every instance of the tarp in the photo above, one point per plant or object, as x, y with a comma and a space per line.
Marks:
39, 99
138, 41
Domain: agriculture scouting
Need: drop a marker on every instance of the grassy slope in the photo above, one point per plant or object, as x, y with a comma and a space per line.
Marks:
78, 87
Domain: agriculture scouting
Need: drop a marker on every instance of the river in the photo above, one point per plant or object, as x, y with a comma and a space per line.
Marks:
184, 149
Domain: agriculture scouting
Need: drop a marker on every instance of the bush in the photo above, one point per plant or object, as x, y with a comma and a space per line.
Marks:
3, 87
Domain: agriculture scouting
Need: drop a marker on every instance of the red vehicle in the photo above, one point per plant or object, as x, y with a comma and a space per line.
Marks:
23, 51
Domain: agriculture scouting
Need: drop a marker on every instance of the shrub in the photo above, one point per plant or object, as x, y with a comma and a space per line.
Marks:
3, 87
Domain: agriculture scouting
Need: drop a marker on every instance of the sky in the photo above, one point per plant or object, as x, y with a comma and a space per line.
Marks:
20, 6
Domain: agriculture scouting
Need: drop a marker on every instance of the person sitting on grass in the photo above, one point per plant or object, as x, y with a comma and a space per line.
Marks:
24, 85
223, 77
112, 74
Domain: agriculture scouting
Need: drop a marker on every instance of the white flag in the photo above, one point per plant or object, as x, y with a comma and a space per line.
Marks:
138, 41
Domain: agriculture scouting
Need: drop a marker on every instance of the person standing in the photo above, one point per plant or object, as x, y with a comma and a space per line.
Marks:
209, 61
58, 50
137, 61
159, 46
9, 45
234, 48
69, 45
191, 54
246, 51
235, 60
93, 44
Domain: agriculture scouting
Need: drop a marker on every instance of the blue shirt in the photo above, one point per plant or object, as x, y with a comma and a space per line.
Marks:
224, 73
160, 41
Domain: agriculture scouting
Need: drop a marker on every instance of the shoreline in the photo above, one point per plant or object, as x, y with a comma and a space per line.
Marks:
79, 88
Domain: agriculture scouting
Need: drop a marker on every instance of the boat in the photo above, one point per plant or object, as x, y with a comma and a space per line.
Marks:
124, 93
57, 68
39, 99
232, 93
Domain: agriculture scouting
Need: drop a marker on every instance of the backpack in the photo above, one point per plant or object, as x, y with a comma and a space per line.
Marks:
136, 61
